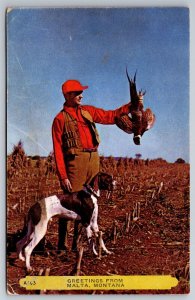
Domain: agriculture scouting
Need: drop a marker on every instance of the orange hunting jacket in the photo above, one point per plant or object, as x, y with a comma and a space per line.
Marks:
98, 115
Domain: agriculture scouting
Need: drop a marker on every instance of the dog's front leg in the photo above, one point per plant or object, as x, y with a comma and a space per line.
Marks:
90, 239
94, 222
75, 236
102, 245
95, 228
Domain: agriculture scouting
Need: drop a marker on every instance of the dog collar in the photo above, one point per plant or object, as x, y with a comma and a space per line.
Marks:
91, 190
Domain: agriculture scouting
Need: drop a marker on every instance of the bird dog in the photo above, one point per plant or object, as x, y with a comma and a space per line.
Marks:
81, 206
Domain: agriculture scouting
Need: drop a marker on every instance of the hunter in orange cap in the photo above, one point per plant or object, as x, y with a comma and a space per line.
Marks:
76, 141
72, 86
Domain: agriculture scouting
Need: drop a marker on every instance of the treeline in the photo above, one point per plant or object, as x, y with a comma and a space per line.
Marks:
18, 160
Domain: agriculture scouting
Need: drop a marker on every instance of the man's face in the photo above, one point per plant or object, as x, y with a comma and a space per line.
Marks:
74, 98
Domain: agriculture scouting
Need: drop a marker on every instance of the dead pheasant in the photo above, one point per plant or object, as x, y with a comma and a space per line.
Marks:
139, 120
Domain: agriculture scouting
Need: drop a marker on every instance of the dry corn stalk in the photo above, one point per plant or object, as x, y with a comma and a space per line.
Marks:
23, 204
133, 188
128, 189
100, 245
40, 272
114, 232
79, 261
108, 194
160, 188
136, 212
128, 219
153, 194
187, 271
20, 205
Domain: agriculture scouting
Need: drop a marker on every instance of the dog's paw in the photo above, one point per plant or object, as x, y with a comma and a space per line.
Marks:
29, 270
109, 252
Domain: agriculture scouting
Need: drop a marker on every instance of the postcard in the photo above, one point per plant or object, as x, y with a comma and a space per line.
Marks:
98, 169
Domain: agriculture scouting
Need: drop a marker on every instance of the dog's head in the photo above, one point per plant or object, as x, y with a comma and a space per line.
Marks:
106, 182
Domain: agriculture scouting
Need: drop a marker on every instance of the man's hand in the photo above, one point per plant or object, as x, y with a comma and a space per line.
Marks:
66, 185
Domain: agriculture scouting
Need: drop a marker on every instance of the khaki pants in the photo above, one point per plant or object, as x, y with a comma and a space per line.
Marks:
81, 168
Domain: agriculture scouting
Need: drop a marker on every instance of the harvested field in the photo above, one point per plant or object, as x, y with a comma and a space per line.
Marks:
145, 224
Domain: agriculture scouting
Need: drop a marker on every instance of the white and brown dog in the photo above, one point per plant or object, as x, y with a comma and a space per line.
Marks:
80, 206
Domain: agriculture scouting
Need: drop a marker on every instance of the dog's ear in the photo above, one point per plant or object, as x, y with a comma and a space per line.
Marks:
105, 182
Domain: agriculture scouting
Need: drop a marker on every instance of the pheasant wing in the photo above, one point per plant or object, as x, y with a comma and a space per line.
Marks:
124, 122
148, 119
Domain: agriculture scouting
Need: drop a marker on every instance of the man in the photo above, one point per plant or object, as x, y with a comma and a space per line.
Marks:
76, 140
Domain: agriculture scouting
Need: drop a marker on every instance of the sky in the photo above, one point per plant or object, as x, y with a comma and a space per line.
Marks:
46, 47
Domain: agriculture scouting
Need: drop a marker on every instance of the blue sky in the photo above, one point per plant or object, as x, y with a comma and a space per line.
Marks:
45, 47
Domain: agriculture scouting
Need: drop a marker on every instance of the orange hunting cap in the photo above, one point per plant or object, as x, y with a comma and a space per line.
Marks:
73, 86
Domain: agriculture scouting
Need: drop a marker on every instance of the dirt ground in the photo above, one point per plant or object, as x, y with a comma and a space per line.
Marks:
155, 198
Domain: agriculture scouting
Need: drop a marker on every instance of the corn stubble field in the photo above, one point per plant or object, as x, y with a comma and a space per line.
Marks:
145, 223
